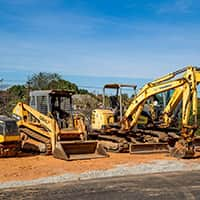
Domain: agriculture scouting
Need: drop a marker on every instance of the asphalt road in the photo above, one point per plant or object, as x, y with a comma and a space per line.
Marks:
181, 185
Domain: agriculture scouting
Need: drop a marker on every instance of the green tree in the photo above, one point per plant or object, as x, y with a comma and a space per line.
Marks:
42, 80
83, 91
17, 91
12, 95
47, 81
62, 84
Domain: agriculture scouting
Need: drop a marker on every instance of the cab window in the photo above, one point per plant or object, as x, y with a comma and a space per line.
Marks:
11, 128
1, 129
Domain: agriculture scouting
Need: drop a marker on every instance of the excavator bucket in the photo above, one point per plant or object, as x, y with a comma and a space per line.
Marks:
79, 150
145, 148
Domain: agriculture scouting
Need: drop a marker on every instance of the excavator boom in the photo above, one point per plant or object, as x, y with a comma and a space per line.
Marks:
133, 112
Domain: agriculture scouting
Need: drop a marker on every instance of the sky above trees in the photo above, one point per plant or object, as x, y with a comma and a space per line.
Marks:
133, 38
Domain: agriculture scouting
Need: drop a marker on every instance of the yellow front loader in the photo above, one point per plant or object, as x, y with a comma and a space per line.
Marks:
51, 123
9, 137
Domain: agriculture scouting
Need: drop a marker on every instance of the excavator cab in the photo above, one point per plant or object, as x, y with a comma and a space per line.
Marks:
9, 137
117, 101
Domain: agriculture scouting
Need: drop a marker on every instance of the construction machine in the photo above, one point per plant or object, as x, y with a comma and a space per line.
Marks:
183, 81
9, 137
105, 120
53, 126
186, 80
113, 105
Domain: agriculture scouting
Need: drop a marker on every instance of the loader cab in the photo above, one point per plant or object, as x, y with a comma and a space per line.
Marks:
57, 103
8, 130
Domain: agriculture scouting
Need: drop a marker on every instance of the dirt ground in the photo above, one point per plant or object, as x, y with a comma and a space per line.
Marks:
33, 167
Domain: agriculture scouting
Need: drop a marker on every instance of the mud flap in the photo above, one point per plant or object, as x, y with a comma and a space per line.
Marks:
79, 150
145, 148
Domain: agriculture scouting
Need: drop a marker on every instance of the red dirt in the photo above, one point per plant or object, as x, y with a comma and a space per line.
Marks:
33, 167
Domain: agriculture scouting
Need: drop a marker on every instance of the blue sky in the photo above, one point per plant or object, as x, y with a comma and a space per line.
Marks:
130, 38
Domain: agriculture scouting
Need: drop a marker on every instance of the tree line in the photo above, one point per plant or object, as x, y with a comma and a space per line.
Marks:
38, 81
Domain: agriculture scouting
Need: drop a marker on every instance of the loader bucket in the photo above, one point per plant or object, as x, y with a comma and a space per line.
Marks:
79, 150
145, 148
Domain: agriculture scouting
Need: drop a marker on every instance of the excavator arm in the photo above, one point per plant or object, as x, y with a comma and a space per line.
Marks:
187, 95
187, 84
133, 112
185, 90
168, 112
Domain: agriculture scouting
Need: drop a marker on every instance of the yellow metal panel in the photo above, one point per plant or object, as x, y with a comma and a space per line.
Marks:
9, 138
101, 117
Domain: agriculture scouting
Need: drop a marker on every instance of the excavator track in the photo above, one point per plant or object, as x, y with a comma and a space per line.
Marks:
138, 142
36, 136
114, 143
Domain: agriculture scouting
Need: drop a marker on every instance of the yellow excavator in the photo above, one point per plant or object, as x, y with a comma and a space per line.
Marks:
113, 105
185, 80
105, 120
54, 128
10, 142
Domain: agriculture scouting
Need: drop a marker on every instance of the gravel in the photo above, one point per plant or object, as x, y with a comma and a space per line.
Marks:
120, 170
